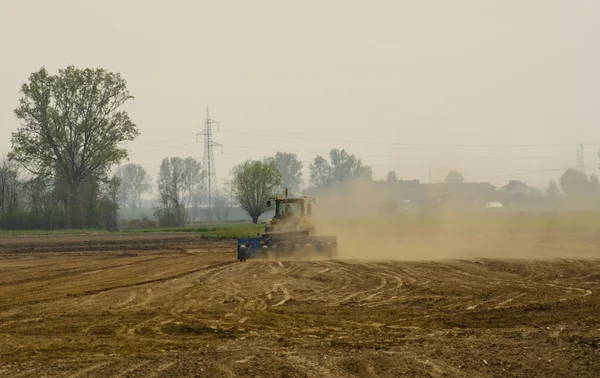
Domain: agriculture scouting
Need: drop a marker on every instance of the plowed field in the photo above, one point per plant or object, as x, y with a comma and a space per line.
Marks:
178, 306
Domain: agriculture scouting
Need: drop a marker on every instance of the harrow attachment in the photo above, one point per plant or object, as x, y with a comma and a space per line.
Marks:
286, 245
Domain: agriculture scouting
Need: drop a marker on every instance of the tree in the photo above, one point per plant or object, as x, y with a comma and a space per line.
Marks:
194, 185
134, 181
553, 190
108, 204
290, 169
454, 176
575, 184
71, 128
320, 172
253, 183
10, 191
34, 202
179, 184
221, 205
579, 189
391, 176
342, 168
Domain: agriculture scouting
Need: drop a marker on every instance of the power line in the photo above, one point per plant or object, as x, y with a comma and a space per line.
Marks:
405, 144
409, 156
521, 173
161, 148
580, 158
366, 154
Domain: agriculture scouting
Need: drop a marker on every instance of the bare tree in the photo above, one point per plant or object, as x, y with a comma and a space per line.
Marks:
180, 183
193, 183
134, 181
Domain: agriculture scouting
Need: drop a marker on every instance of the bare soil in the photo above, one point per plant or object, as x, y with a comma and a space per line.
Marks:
178, 306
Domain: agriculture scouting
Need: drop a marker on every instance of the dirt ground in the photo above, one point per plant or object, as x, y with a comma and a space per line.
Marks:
178, 306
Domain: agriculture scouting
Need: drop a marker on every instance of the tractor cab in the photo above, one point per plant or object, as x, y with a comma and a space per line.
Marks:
289, 208
290, 212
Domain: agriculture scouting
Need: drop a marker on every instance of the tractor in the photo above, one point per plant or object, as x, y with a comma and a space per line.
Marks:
290, 233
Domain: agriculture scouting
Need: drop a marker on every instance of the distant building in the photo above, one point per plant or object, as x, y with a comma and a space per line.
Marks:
435, 197
518, 188
518, 194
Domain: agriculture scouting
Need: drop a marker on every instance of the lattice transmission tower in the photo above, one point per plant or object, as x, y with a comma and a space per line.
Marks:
209, 159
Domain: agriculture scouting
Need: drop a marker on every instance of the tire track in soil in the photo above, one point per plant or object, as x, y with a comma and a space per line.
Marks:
175, 301
353, 343
365, 287
50, 292
286, 294
312, 368
131, 369
160, 369
339, 284
533, 282
23, 374
73, 271
482, 274
228, 372
205, 284
90, 369
388, 295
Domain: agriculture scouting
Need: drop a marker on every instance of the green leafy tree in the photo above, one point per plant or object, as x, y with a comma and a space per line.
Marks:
320, 172
454, 176
290, 169
342, 167
72, 124
253, 183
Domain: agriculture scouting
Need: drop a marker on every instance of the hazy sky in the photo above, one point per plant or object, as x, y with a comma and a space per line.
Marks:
390, 81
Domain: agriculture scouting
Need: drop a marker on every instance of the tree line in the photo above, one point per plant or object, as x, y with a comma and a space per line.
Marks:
58, 173
73, 124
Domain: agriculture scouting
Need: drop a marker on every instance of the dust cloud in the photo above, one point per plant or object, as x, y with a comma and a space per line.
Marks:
354, 215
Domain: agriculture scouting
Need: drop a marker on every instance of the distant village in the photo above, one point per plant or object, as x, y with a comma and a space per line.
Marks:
398, 197
431, 197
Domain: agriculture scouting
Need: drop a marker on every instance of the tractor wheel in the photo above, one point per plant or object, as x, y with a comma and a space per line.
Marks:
242, 253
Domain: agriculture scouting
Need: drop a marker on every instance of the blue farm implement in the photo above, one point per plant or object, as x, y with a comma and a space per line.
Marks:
286, 245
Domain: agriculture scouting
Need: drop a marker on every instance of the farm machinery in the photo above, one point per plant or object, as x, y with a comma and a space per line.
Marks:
290, 233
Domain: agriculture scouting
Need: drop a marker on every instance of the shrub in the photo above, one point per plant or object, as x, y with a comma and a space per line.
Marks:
142, 223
